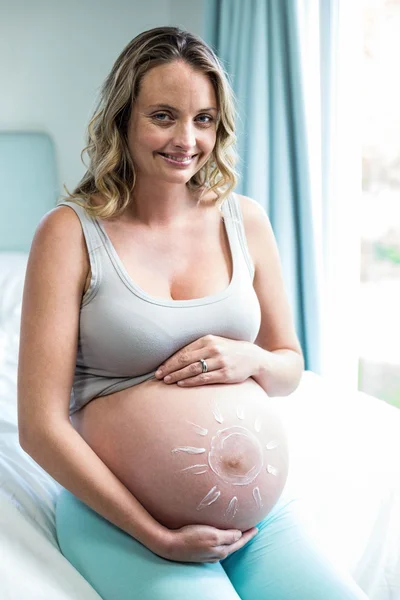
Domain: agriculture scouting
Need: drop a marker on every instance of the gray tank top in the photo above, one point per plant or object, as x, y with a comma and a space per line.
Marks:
125, 334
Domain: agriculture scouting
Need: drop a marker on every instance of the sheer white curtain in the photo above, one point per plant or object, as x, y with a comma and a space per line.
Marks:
331, 57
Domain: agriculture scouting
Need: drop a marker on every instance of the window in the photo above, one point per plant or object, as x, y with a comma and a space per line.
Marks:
379, 360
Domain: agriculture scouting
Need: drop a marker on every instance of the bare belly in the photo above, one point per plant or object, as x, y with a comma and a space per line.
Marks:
213, 454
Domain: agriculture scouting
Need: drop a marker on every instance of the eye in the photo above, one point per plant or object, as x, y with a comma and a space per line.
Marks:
160, 115
210, 119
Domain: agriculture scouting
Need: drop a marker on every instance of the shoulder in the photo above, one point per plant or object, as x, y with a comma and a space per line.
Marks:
57, 220
59, 234
257, 226
252, 211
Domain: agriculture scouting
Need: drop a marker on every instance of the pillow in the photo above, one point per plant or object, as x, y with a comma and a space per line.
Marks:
22, 480
12, 276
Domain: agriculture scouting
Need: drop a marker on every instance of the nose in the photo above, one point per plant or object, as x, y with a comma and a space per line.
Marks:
185, 135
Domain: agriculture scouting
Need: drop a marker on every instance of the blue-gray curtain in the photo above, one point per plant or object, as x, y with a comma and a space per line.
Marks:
258, 44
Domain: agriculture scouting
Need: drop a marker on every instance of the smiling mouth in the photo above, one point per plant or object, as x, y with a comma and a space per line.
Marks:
176, 159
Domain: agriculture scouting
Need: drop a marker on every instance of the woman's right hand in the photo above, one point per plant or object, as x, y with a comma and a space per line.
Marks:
203, 543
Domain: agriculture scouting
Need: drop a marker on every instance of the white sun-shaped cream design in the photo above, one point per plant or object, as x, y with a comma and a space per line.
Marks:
223, 459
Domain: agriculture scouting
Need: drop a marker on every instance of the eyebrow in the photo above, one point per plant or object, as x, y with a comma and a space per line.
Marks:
177, 109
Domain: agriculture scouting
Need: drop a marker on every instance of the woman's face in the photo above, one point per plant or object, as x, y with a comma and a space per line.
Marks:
175, 114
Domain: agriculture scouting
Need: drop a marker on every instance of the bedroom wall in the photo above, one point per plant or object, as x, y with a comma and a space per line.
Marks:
55, 55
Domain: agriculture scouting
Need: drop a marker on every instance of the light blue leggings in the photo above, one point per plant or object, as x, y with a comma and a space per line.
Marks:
280, 563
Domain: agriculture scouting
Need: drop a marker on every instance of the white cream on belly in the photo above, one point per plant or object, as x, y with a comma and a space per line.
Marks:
213, 454
224, 459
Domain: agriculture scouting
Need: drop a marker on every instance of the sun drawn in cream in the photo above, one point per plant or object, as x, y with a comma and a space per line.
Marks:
224, 458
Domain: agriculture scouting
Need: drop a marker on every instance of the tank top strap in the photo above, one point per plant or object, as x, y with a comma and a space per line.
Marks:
233, 214
95, 248
90, 231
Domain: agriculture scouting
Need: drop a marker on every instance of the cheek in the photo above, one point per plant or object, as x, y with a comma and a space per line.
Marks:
146, 137
154, 137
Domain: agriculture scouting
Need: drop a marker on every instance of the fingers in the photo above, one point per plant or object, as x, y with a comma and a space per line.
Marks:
230, 536
203, 379
193, 370
223, 550
185, 356
244, 539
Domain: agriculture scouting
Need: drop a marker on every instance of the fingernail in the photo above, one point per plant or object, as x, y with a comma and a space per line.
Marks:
238, 535
158, 373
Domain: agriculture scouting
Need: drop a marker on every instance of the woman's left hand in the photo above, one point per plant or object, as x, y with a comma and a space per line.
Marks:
228, 361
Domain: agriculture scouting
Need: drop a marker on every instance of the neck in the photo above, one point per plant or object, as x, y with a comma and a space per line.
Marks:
161, 204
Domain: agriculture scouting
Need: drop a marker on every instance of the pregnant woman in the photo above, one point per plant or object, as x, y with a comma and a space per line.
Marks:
155, 328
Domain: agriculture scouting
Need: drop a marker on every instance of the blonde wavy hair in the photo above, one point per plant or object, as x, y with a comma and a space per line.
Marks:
111, 171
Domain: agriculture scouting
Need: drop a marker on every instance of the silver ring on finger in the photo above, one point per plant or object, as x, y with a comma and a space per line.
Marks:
204, 367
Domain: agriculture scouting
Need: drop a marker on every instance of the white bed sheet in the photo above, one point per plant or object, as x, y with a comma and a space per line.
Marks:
345, 450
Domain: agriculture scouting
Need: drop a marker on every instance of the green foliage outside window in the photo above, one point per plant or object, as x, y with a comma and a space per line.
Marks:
390, 253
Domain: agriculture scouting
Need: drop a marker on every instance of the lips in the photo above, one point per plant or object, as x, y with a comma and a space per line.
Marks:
178, 157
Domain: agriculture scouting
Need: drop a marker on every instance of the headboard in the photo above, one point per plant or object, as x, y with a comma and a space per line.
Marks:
29, 186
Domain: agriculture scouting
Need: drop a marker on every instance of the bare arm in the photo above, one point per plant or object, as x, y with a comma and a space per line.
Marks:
65, 455
56, 272
280, 362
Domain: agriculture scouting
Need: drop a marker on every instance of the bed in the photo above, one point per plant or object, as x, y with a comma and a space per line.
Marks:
345, 449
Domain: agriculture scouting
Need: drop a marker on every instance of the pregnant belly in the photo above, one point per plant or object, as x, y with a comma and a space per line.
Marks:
214, 454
